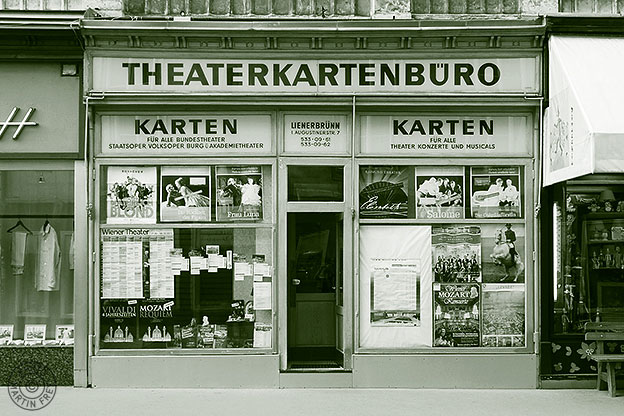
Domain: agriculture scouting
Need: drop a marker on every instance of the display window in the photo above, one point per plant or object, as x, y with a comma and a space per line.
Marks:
37, 256
186, 257
443, 255
588, 278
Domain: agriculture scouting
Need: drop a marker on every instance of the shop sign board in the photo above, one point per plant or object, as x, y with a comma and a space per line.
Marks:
364, 76
194, 135
39, 111
446, 135
316, 134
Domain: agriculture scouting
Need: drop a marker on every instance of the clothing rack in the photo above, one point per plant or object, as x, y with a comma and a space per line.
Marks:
38, 216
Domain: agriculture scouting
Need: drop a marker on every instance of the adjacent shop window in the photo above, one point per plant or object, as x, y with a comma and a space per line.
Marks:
590, 280
448, 283
36, 257
168, 278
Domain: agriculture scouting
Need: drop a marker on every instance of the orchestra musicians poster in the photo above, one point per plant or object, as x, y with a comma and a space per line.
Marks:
495, 192
456, 253
384, 192
239, 193
131, 195
185, 194
440, 192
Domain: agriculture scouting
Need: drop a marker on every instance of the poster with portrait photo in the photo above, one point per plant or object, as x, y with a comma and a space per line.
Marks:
131, 195
504, 315
384, 191
6, 334
239, 193
34, 333
185, 194
456, 315
456, 253
503, 248
64, 334
495, 192
440, 192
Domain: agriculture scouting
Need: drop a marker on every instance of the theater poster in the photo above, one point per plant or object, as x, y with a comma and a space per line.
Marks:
185, 194
440, 192
456, 315
384, 191
239, 193
131, 195
495, 192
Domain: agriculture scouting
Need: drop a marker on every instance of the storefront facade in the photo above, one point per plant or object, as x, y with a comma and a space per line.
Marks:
583, 209
299, 205
41, 182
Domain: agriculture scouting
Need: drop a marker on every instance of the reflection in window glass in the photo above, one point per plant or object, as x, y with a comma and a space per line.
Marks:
36, 257
315, 183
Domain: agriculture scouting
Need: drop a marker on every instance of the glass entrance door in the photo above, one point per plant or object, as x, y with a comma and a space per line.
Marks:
315, 236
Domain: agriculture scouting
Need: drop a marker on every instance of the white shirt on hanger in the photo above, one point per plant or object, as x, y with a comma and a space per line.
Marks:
49, 260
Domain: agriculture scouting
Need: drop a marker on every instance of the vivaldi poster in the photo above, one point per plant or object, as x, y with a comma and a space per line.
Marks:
384, 191
440, 192
185, 194
456, 315
495, 192
503, 315
131, 195
239, 193
456, 253
395, 292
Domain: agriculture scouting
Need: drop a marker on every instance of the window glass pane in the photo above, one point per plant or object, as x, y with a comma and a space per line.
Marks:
443, 285
36, 254
315, 183
592, 282
186, 288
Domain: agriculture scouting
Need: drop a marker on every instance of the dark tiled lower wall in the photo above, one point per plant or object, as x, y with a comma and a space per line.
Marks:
59, 360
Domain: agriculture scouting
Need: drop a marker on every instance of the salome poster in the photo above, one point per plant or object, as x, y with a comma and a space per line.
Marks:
395, 286
440, 192
185, 194
395, 292
384, 192
131, 195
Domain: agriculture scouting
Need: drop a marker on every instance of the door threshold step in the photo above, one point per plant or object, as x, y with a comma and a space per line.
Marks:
316, 370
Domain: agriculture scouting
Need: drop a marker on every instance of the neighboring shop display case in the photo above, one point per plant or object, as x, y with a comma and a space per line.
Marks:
588, 270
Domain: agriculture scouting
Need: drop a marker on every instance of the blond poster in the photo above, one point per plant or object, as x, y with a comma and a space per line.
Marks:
131, 195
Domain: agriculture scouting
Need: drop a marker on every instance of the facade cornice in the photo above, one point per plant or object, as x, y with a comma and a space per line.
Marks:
313, 35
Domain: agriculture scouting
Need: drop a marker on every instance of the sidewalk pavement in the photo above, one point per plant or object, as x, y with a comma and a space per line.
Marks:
321, 402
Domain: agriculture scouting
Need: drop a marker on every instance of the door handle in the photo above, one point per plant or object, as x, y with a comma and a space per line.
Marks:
296, 282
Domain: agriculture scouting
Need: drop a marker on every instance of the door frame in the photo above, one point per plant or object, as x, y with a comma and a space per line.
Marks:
346, 208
